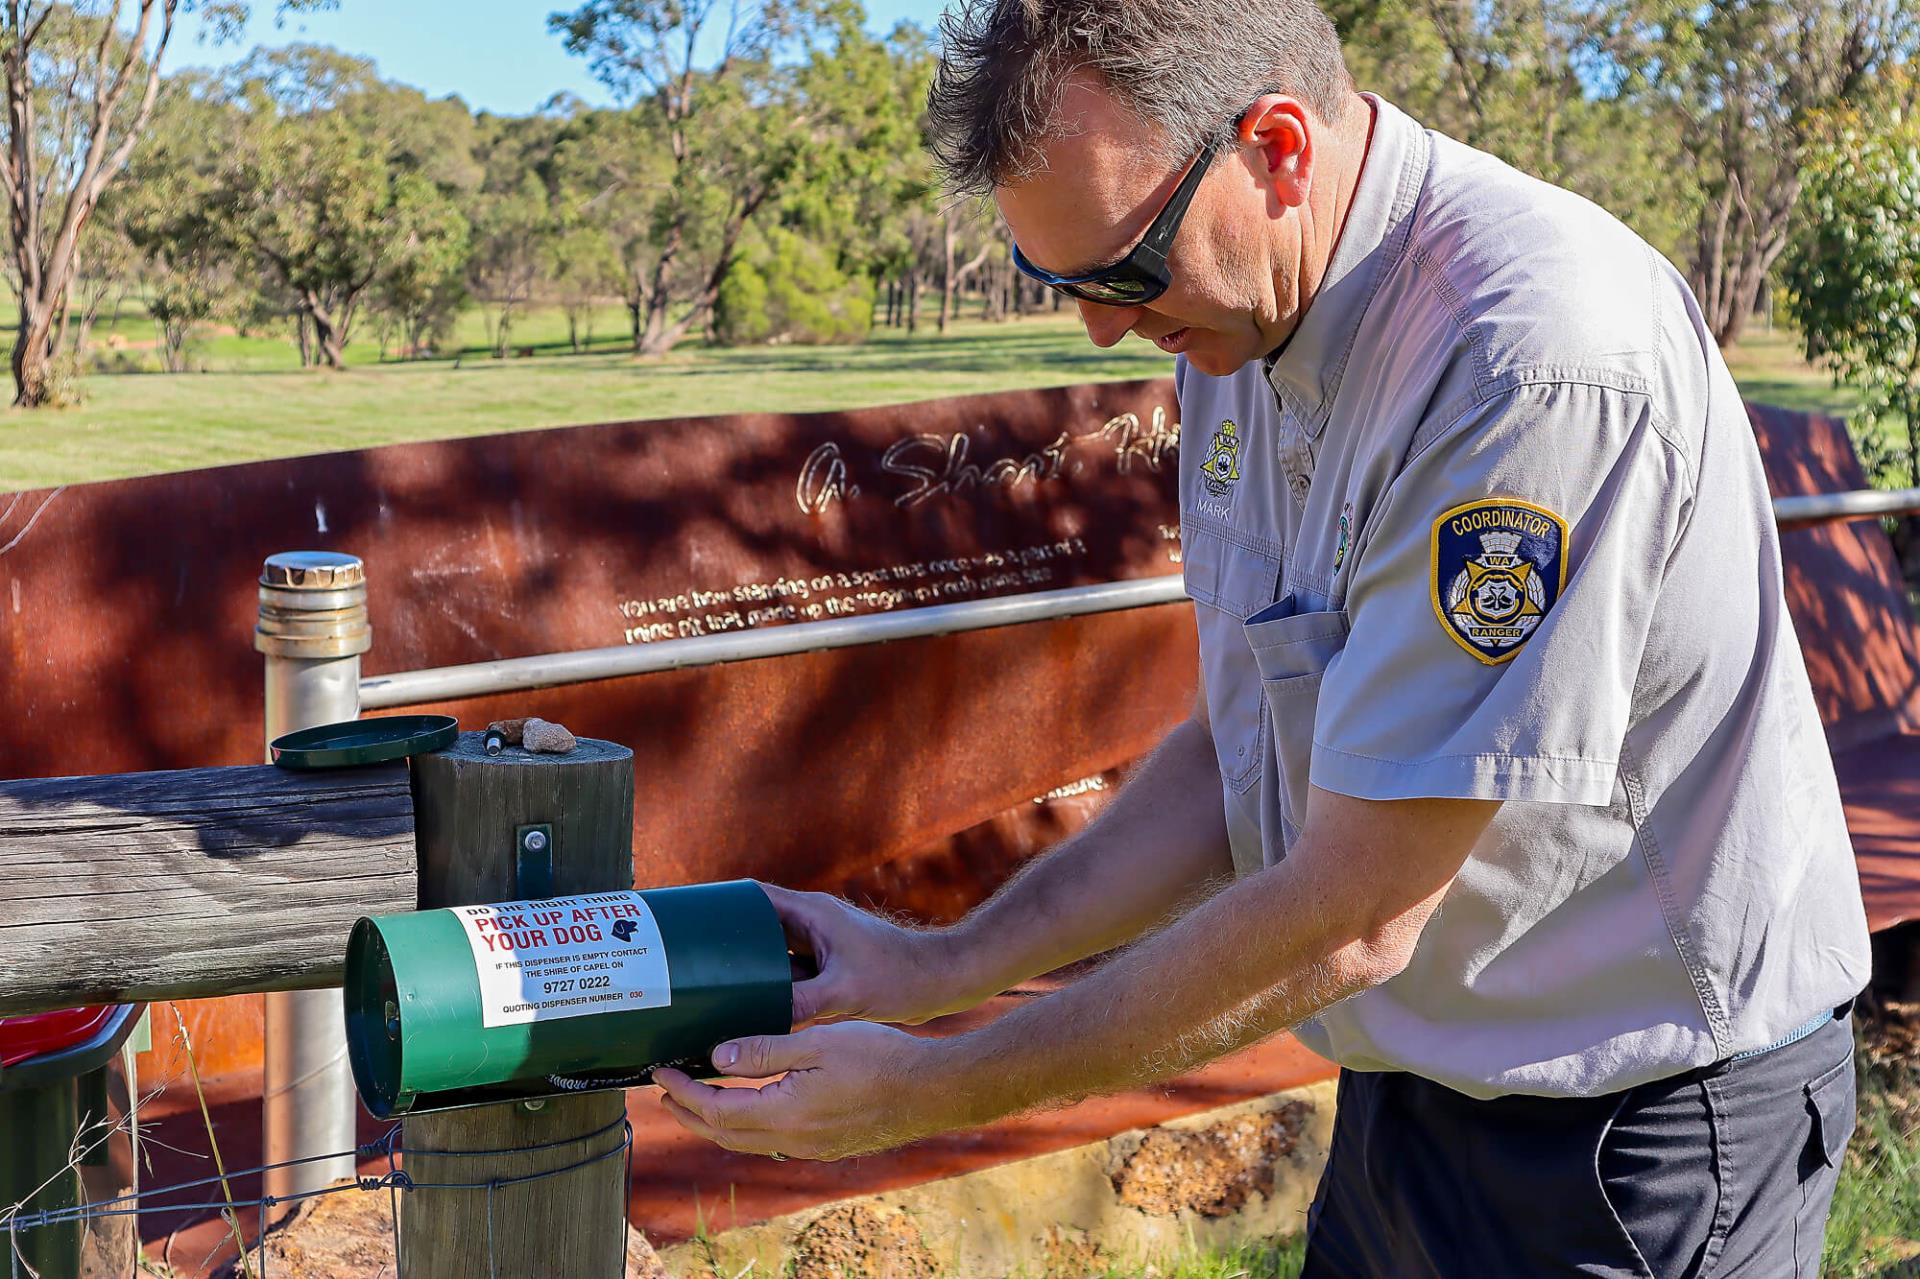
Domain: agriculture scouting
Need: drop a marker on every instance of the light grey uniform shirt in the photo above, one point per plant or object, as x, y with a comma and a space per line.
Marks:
1493, 525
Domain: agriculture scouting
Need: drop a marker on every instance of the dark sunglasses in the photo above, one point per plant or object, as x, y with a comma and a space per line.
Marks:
1142, 275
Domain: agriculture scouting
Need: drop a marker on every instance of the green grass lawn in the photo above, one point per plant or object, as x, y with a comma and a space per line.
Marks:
1770, 370
253, 401
140, 423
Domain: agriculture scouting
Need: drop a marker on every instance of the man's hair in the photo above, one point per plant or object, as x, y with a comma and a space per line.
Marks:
1185, 67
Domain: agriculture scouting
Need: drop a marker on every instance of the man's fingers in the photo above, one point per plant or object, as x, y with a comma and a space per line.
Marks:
799, 914
694, 1123
732, 1109
815, 998
745, 1140
757, 1056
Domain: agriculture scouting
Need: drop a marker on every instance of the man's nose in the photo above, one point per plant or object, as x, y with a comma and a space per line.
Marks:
1107, 324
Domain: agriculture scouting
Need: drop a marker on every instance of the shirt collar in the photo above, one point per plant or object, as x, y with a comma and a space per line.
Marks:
1307, 369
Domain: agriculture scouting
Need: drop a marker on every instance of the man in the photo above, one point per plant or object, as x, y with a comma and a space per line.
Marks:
1505, 741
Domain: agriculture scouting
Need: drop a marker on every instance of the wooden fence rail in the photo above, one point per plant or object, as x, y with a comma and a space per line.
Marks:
197, 882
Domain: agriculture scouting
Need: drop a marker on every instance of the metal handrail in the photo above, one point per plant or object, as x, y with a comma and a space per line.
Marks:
452, 683
1857, 504
548, 670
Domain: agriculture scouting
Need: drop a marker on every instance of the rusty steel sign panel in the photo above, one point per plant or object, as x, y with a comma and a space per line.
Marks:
127, 608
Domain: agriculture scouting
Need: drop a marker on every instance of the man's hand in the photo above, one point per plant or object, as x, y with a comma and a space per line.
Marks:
848, 1090
1159, 845
868, 967
1343, 912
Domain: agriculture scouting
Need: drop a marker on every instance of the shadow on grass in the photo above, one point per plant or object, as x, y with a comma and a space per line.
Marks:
1800, 396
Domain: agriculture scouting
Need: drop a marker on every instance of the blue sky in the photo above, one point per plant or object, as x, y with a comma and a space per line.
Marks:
496, 54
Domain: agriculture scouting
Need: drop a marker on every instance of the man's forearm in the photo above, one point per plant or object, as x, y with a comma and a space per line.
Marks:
1336, 917
1250, 961
1159, 845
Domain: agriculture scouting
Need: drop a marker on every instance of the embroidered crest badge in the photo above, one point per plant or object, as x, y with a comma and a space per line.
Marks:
1222, 466
1498, 565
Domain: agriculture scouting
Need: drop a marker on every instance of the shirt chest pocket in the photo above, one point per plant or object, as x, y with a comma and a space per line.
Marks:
1229, 582
1292, 651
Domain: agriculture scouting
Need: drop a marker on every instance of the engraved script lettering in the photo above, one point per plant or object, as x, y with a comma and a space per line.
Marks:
939, 466
944, 466
1131, 441
823, 480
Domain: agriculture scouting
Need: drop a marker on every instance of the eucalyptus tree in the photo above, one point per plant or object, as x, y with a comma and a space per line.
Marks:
731, 124
1557, 88
323, 193
165, 211
1853, 283
81, 81
1745, 79
610, 167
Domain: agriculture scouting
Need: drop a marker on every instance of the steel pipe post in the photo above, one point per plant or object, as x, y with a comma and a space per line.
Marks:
37, 1172
313, 629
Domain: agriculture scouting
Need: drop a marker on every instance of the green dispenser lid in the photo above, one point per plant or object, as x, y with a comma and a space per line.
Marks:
364, 741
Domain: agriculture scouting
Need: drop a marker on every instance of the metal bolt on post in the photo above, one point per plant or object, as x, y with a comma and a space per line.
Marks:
313, 628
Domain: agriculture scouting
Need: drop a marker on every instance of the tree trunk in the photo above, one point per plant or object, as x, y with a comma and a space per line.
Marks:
32, 357
303, 331
946, 272
1910, 408
913, 298
952, 278
329, 332
653, 335
502, 327
661, 334
332, 347
175, 336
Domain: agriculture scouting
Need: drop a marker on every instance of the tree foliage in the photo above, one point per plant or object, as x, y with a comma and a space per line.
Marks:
736, 132
1685, 119
1745, 81
164, 209
764, 178
81, 89
323, 194
1853, 286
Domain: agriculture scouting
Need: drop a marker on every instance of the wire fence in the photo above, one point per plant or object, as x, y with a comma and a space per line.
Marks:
394, 1181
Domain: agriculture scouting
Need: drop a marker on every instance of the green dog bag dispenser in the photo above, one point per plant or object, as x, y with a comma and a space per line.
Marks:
477, 1004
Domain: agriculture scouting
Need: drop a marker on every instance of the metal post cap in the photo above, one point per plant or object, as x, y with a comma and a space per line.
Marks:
313, 606
312, 571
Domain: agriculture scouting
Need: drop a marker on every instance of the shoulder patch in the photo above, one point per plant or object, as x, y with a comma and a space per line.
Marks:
1498, 565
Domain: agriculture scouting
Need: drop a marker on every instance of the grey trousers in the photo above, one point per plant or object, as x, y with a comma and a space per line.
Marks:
1723, 1171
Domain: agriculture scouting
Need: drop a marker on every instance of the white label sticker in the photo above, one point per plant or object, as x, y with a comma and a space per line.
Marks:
566, 957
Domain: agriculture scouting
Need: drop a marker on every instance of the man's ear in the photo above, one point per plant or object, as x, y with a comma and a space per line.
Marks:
1281, 132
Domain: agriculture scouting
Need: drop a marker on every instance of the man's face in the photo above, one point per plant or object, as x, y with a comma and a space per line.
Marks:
1092, 202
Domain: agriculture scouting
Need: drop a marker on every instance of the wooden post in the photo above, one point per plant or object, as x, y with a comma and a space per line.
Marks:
468, 806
